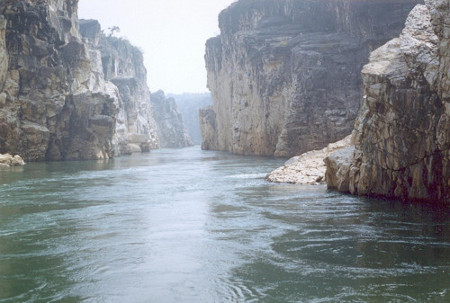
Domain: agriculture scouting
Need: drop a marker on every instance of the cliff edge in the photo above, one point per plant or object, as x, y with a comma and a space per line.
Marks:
54, 102
67, 91
285, 74
402, 135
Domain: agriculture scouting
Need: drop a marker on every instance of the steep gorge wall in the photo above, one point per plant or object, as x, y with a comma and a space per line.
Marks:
402, 135
66, 91
123, 65
285, 75
54, 104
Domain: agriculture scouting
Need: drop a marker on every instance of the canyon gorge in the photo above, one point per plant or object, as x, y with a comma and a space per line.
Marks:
106, 195
283, 82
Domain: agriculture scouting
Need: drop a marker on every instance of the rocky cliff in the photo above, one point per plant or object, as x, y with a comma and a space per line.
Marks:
66, 90
54, 103
402, 135
170, 126
285, 75
123, 65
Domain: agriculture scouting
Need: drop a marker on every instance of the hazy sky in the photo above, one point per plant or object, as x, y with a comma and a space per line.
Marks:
172, 34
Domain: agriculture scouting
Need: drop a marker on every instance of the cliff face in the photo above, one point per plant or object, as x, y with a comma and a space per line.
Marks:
123, 65
285, 75
170, 126
54, 103
66, 90
402, 135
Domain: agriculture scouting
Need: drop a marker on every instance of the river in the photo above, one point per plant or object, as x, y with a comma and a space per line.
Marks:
186, 225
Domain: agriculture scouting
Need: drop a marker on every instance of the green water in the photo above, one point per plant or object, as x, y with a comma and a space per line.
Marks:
193, 226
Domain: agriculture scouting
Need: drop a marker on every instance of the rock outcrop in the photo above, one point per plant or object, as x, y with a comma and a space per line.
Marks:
402, 135
285, 74
308, 168
170, 126
7, 160
208, 128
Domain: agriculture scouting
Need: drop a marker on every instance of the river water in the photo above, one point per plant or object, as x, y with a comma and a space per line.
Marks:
194, 226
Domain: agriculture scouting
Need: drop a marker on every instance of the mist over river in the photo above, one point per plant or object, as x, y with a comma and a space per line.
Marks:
186, 225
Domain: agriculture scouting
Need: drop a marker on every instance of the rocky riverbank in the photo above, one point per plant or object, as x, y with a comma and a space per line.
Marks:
402, 135
308, 168
285, 74
7, 160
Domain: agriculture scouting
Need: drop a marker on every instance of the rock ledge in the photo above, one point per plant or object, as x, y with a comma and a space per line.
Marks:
308, 168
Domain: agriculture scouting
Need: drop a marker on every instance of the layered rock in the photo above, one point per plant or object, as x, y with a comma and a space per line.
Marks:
402, 135
170, 126
54, 104
285, 75
66, 90
308, 168
123, 65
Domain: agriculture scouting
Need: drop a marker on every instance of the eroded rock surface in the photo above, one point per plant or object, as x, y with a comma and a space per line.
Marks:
308, 168
54, 105
8, 160
123, 65
285, 75
402, 135
66, 90
208, 128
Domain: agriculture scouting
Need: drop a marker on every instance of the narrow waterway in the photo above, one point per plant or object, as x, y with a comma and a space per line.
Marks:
194, 226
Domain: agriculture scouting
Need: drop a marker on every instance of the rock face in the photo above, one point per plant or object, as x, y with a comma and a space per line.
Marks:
285, 74
308, 168
189, 106
170, 126
208, 128
123, 65
66, 90
402, 135
54, 103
